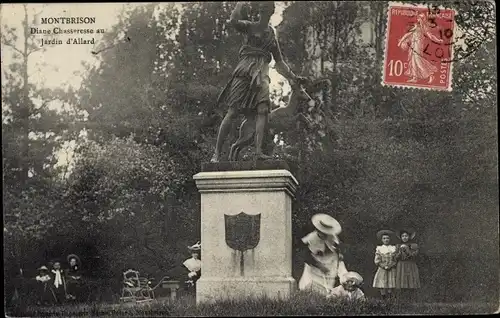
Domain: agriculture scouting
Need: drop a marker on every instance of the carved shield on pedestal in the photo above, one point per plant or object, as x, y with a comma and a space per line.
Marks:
242, 231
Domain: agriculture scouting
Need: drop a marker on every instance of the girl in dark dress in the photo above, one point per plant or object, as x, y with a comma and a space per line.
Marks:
73, 277
407, 275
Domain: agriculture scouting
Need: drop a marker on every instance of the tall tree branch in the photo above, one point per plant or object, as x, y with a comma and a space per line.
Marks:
14, 47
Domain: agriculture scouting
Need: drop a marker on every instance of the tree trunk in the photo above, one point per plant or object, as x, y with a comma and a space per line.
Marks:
169, 220
166, 221
334, 47
25, 108
378, 12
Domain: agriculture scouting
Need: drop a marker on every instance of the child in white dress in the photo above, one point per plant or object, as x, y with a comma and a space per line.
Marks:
385, 277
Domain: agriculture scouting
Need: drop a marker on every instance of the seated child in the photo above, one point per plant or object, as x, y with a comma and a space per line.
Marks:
349, 288
44, 289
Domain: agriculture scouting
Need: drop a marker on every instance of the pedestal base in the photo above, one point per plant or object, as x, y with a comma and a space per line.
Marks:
217, 288
248, 205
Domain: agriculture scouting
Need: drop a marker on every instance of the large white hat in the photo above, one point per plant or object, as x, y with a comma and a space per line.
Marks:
352, 276
326, 224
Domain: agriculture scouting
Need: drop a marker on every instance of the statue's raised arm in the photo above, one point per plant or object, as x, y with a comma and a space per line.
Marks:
239, 18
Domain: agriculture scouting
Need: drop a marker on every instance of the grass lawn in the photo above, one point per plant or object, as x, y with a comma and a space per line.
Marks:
298, 304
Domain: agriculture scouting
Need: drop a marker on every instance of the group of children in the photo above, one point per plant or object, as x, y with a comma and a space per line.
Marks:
57, 285
324, 264
396, 264
396, 269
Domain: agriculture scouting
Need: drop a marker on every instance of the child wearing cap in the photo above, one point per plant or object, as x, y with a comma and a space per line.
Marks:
385, 277
349, 288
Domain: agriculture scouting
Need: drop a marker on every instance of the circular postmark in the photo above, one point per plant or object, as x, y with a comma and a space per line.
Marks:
462, 29
433, 34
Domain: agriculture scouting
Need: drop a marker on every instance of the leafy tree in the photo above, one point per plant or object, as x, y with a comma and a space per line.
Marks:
128, 190
32, 132
164, 108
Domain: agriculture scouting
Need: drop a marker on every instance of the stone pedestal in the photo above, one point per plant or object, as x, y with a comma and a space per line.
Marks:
253, 188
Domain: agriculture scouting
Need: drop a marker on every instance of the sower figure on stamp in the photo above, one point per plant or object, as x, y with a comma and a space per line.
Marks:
413, 41
247, 92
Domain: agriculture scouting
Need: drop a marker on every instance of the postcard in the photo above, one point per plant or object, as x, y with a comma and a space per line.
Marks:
258, 158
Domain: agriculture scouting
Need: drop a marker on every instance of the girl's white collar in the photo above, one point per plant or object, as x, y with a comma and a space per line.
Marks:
386, 249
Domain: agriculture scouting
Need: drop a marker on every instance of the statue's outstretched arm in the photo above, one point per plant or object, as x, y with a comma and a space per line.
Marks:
281, 67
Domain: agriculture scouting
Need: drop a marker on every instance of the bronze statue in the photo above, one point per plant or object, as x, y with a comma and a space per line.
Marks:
282, 118
247, 92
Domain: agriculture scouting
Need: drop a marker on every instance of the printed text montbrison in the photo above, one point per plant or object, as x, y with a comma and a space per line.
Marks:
68, 20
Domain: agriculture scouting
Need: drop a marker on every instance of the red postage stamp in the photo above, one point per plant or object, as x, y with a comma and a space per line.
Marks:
419, 47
